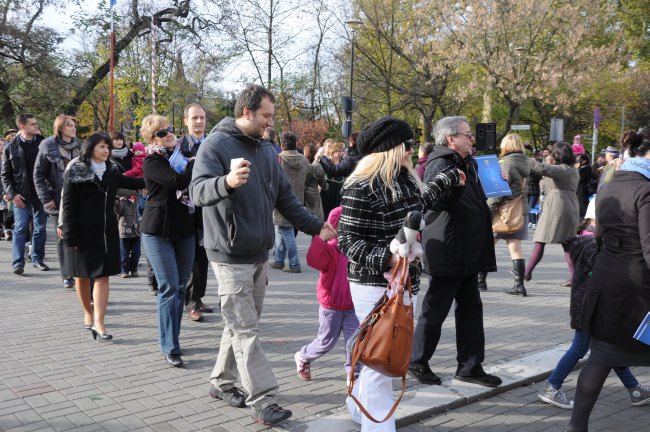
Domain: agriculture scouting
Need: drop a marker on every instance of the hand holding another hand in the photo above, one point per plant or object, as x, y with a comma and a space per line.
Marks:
328, 232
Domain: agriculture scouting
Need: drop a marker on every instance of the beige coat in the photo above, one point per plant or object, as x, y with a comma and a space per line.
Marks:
560, 212
296, 167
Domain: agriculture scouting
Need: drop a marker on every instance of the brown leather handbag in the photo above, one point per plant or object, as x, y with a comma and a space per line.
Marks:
383, 340
508, 218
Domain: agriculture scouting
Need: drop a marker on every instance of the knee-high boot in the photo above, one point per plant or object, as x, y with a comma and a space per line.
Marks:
518, 269
482, 284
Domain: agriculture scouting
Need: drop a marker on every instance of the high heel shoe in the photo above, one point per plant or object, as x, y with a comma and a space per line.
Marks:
102, 337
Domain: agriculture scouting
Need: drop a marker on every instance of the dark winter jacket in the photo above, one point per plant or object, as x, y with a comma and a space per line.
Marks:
88, 214
127, 217
372, 216
238, 224
619, 297
164, 214
343, 169
50, 166
184, 143
457, 239
583, 251
123, 163
14, 174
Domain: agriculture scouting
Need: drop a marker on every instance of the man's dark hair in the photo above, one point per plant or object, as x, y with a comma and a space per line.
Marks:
91, 142
563, 154
271, 133
116, 135
289, 140
193, 104
251, 98
23, 118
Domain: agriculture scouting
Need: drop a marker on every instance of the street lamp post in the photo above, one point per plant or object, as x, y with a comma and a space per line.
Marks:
348, 102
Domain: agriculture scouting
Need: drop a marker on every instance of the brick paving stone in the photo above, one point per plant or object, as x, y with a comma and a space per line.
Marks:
119, 383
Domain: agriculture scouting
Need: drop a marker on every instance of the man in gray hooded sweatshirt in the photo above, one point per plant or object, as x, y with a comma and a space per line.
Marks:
238, 181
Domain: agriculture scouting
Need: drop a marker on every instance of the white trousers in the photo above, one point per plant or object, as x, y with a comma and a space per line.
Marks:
373, 389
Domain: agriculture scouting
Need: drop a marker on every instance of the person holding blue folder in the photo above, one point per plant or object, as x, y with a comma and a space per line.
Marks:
619, 297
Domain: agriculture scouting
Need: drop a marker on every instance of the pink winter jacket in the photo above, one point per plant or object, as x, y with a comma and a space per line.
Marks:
333, 287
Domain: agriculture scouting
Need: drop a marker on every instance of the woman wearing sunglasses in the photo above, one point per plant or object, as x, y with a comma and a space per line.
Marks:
168, 230
377, 196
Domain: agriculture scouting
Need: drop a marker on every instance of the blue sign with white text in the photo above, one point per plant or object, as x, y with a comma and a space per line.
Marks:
489, 171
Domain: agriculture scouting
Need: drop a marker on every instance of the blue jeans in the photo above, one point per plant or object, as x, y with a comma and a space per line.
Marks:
285, 244
576, 351
172, 263
21, 231
532, 202
129, 254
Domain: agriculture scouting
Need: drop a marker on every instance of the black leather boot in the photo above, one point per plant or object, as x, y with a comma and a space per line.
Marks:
518, 269
482, 284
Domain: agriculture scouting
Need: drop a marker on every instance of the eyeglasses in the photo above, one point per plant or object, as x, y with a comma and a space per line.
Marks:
408, 145
467, 134
162, 133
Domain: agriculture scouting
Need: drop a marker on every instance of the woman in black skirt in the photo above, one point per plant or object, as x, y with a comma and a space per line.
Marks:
89, 225
619, 297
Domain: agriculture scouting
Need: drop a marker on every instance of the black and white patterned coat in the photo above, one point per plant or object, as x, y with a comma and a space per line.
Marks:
372, 216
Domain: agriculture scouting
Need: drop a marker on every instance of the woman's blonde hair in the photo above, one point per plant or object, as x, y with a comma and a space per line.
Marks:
383, 165
152, 124
511, 143
60, 122
334, 147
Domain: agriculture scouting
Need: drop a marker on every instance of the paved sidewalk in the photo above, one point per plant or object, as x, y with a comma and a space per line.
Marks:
54, 377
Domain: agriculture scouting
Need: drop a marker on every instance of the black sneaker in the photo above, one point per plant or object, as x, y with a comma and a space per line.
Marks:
19, 270
270, 415
425, 375
41, 266
483, 379
234, 396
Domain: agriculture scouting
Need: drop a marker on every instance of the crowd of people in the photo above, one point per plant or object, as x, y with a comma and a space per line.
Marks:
225, 198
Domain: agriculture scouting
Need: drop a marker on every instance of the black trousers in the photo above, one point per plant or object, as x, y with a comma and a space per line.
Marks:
198, 280
470, 338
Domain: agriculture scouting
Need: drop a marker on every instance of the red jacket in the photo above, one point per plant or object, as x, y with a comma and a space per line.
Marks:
136, 167
333, 287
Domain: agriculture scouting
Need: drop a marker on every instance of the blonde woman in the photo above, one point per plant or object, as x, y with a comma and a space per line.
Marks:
168, 231
331, 197
376, 198
513, 160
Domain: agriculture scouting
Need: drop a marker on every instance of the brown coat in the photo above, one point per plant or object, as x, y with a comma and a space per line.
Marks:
560, 212
296, 167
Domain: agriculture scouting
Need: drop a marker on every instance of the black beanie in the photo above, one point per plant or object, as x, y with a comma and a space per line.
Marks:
383, 135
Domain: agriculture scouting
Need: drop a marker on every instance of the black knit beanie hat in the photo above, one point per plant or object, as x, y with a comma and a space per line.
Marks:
383, 135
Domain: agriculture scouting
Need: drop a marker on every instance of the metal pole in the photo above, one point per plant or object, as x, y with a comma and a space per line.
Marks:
352, 65
111, 104
623, 122
153, 66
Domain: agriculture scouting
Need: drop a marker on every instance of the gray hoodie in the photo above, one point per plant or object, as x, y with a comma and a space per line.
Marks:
238, 225
296, 168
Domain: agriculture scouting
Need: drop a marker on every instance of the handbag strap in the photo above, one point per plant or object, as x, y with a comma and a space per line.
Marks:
392, 410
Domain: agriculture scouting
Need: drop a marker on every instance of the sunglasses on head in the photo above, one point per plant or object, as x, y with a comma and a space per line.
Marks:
162, 133
408, 145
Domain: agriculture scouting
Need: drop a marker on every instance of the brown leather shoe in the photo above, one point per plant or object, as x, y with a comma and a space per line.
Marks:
205, 308
195, 315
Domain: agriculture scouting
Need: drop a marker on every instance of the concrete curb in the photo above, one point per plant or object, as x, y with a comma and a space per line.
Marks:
423, 401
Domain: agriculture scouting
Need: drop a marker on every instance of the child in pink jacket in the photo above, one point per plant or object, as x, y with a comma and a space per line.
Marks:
336, 312
136, 163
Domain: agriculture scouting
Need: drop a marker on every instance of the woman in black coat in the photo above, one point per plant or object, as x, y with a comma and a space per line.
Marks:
619, 297
168, 229
89, 225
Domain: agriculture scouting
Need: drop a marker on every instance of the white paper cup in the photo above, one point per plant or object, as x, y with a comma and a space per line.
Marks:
235, 163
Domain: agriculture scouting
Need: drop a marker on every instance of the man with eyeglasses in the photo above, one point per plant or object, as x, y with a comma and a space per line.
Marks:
238, 182
18, 161
458, 244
